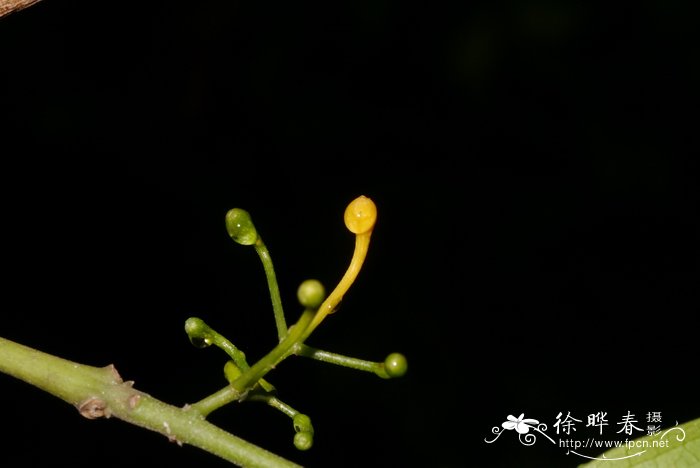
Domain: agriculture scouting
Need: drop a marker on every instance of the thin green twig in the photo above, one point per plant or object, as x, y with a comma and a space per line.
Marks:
100, 392
272, 285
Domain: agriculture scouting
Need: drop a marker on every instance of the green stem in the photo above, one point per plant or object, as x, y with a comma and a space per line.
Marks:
345, 361
216, 400
304, 430
238, 358
229, 348
202, 335
275, 403
280, 352
272, 285
257, 371
100, 392
331, 302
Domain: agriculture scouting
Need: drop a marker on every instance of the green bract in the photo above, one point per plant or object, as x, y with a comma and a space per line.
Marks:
231, 371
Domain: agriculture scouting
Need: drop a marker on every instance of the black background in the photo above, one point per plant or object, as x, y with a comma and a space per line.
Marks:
536, 249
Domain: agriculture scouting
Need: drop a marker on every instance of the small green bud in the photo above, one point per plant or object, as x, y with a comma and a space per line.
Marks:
240, 227
311, 294
303, 440
304, 437
198, 332
231, 371
395, 365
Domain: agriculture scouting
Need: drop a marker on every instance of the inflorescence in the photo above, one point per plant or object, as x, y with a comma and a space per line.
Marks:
246, 382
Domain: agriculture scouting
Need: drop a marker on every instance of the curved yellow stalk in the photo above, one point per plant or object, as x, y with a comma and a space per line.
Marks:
360, 218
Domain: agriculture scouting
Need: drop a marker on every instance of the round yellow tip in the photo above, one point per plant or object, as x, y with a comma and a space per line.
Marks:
360, 215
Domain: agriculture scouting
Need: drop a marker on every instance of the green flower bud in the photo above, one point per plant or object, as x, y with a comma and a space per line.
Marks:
304, 437
198, 332
303, 440
240, 227
395, 365
311, 294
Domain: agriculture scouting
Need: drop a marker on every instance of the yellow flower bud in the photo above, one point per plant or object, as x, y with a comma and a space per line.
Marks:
360, 215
